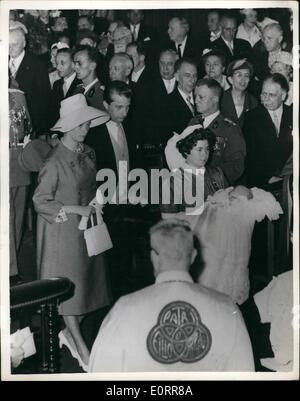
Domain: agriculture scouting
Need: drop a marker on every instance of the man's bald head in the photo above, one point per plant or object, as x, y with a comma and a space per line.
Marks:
17, 42
272, 37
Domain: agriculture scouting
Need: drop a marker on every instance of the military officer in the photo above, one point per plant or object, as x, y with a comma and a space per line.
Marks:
230, 149
85, 60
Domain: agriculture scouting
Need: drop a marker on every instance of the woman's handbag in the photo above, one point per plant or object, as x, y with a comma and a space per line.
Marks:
97, 237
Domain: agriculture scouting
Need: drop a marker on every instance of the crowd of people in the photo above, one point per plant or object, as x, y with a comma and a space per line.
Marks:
90, 89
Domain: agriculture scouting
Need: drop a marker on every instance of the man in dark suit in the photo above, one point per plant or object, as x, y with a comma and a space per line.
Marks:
156, 119
266, 49
141, 74
268, 133
231, 47
66, 85
32, 77
114, 151
85, 61
230, 149
143, 33
181, 41
181, 106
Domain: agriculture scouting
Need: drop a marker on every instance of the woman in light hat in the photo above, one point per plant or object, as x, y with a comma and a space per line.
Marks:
66, 186
283, 64
236, 101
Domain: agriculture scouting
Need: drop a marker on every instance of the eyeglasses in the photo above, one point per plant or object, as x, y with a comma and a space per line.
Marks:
230, 29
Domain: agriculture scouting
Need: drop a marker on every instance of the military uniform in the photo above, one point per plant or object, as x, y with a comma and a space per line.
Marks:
230, 149
94, 95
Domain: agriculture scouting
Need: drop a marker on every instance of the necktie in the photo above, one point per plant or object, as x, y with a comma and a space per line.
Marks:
190, 104
179, 50
169, 86
13, 68
134, 33
65, 88
230, 47
276, 122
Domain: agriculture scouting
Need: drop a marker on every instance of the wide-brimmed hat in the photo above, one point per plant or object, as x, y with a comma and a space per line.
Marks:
34, 155
74, 111
173, 157
242, 64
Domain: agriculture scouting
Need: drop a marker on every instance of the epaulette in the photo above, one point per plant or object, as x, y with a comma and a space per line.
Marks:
230, 122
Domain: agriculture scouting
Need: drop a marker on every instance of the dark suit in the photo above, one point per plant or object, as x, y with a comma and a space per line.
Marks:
33, 80
228, 108
193, 49
58, 95
260, 60
241, 49
179, 113
267, 153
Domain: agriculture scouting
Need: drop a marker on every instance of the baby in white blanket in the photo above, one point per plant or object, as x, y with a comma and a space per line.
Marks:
224, 231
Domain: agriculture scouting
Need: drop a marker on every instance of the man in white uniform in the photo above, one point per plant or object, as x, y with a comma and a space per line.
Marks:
174, 324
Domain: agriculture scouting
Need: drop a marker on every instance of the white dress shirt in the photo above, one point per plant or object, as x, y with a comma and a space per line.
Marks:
185, 96
183, 43
169, 84
136, 74
229, 45
214, 36
208, 120
68, 82
276, 116
88, 87
16, 62
136, 29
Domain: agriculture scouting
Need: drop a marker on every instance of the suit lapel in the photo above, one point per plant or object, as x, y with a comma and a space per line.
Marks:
23, 67
269, 123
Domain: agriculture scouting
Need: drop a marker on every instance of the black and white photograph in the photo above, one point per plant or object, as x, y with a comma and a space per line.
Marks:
149, 209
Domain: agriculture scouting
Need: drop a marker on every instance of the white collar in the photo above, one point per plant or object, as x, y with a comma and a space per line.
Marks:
70, 79
136, 74
18, 60
194, 170
227, 41
173, 275
208, 119
137, 27
86, 88
278, 112
182, 43
184, 96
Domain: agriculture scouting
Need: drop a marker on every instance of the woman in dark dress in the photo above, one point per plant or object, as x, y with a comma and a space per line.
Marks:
236, 101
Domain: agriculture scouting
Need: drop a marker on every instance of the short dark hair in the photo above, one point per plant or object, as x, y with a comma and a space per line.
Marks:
116, 87
184, 60
86, 33
140, 48
186, 144
88, 17
278, 79
92, 52
211, 84
216, 53
65, 50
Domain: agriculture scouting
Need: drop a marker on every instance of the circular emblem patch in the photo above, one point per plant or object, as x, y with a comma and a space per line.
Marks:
179, 335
